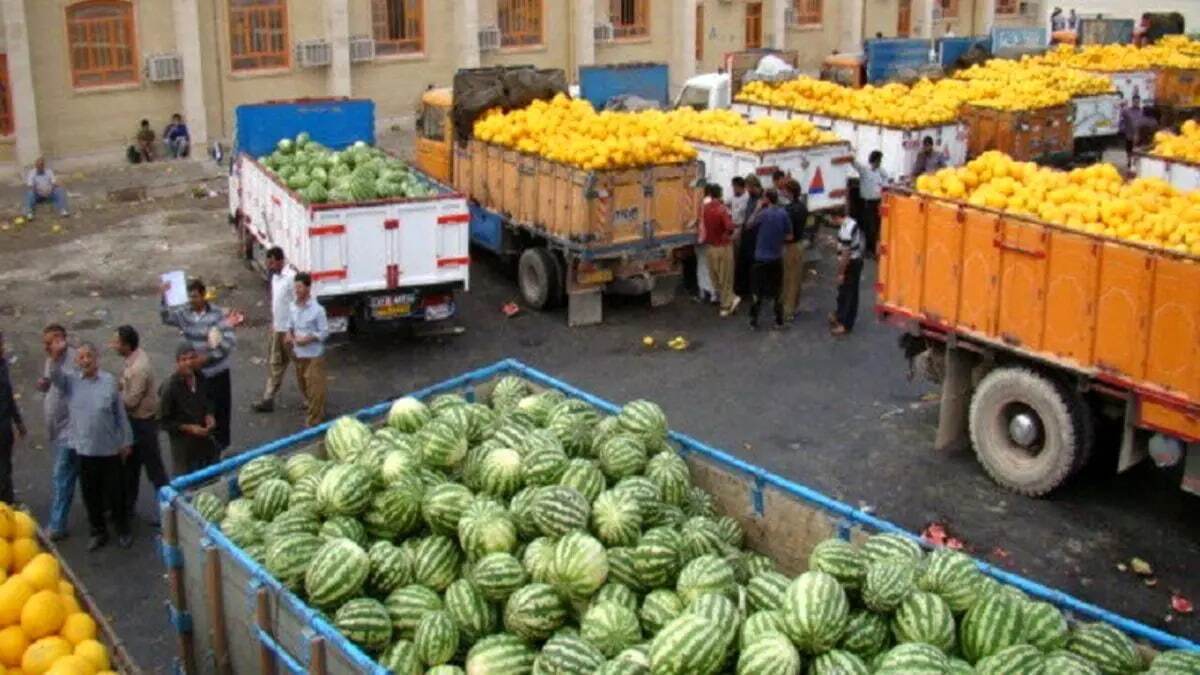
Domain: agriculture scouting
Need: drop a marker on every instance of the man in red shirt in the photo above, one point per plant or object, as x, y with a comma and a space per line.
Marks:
716, 233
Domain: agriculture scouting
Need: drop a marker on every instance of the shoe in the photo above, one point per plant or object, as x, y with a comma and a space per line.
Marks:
725, 313
58, 535
838, 330
832, 319
264, 406
65, 214
737, 300
125, 541
97, 542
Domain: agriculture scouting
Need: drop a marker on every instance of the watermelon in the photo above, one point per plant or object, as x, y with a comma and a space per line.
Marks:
443, 445
539, 405
401, 658
815, 612
731, 531
887, 583
1105, 647
300, 465
913, 658
337, 573
568, 654
239, 508
643, 418
705, 574
924, 617
507, 391
699, 503
766, 590
956, 666
992, 624
398, 464
304, 492
571, 429
500, 654
444, 505
1018, 659
628, 662
365, 622
559, 509
758, 624
407, 415
436, 638
436, 562
345, 438
688, 645
515, 429
345, 490
406, 605
757, 563
244, 532
288, 557
838, 662
770, 654
390, 569
839, 559
621, 568
621, 456
887, 546
444, 403
658, 557
701, 536
344, 527
500, 472
445, 669
256, 471
645, 491
210, 507
616, 518
1172, 663
482, 422
611, 627
672, 476
585, 476
579, 567
520, 508
618, 593
394, 511
488, 534
534, 612
1063, 662
1044, 626
543, 465
952, 575
469, 609
299, 520
867, 634
538, 559
498, 575
720, 610
658, 608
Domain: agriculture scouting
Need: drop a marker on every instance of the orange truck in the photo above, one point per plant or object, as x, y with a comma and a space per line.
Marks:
1041, 335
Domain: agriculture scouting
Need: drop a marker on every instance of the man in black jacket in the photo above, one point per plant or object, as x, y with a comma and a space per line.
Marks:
12, 427
186, 414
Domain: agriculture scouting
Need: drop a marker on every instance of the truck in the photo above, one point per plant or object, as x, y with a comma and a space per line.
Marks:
240, 619
387, 262
1180, 173
1040, 336
711, 91
601, 85
822, 170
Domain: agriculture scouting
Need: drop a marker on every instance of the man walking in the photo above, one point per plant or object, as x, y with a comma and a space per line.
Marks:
716, 228
100, 432
308, 329
205, 327
186, 413
58, 439
140, 397
773, 228
278, 352
871, 179
12, 427
849, 271
793, 249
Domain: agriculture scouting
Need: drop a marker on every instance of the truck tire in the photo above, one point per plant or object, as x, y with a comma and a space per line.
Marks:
1024, 431
1085, 427
538, 278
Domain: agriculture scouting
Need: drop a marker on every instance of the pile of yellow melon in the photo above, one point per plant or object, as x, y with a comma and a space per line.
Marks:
1171, 52
1094, 199
43, 629
1185, 145
923, 104
728, 128
1027, 84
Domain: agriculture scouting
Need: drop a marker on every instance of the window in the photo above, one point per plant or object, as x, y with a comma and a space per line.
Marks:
699, 33
431, 124
808, 12
1007, 7
630, 18
101, 39
520, 22
398, 26
754, 25
6, 118
949, 9
258, 34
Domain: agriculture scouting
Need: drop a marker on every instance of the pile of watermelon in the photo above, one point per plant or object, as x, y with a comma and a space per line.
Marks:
534, 534
360, 173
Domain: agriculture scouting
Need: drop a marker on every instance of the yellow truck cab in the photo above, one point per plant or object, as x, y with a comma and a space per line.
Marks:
434, 134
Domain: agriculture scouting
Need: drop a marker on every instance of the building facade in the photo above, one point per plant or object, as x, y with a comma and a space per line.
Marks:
78, 75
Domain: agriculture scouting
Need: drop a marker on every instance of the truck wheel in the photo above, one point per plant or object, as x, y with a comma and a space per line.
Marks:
1024, 431
538, 278
1085, 427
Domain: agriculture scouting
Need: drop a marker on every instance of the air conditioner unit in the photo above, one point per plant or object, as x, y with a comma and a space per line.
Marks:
603, 32
313, 53
489, 39
164, 67
362, 48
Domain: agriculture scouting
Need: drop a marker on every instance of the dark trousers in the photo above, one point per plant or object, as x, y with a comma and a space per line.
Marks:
145, 454
6, 448
101, 480
189, 454
847, 294
767, 279
220, 390
744, 263
870, 224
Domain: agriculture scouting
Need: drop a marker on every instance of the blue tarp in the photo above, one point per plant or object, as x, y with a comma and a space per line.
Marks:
599, 84
332, 123
888, 57
952, 48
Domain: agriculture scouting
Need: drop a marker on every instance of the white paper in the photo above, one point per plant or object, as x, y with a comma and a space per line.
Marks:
177, 293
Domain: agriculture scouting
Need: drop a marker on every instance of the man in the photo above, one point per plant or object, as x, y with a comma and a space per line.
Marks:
100, 432
1057, 21
58, 439
871, 180
928, 159
145, 141
793, 249
42, 186
12, 427
745, 238
1072, 21
177, 137
851, 244
307, 331
773, 228
716, 228
705, 293
739, 202
140, 397
186, 413
778, 180
211, 335
279, 354
1135, 127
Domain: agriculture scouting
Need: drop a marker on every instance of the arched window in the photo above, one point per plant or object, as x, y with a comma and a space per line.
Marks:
103, 45
258, 34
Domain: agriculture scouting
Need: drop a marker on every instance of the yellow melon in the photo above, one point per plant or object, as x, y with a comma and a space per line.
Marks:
13, 594
95, 653
13, 643
78, 627
42, 614
42, 654
42, 572
24, 549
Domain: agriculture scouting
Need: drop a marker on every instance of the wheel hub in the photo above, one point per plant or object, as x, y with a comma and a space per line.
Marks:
1024, 429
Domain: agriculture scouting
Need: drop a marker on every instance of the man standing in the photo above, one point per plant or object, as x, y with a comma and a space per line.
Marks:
101, 435
12, 427
773, 227
307, 331
928, 160
186, 413
279, 354
205, 327
42, 186
793, 248
1135, 126
716, 228
58, 439
745, 237
849, 270
871, 179
140, 397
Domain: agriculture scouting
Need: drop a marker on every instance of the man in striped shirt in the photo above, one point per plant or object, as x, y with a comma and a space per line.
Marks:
207, 328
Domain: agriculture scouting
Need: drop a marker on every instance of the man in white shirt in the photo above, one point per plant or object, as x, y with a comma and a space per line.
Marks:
279, 354
849, 272
42, 186
871, 181
307, 331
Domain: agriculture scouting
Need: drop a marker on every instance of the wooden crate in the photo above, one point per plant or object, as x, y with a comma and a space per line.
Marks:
1022, 134
1177, 88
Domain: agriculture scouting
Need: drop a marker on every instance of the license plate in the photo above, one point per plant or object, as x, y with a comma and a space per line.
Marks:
391, 306
391, 311
339, 324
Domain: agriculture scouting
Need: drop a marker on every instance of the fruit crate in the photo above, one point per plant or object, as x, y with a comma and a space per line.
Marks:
822, 170
231, 616
1024, 135
1177, 87
1180, 173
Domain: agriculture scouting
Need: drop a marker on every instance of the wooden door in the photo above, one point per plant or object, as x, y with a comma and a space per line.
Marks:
699, 33
904, 22
754, 25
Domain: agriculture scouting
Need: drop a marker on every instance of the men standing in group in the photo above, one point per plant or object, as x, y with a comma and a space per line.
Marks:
745, 238
308, 329
279, 354
773, 228
851, 244
58, 439
140, 396
186, 414
716, 229
928, 159
793, 248
12, 427
871, 180
100, 433
205, 327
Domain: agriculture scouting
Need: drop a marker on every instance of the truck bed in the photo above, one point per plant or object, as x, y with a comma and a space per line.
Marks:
1180, 173
822, 170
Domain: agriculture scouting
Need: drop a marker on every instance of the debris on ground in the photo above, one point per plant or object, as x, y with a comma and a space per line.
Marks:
1181, 605
678, 343
1141, 567
936, 534
648, 342
510, 309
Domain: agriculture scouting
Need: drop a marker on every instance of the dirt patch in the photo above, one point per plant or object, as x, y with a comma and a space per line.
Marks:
62, 276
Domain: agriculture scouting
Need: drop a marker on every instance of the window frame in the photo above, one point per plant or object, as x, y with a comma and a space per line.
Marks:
809, 13
699, 32
7, 119
1008, 7
950, 9
753, 25
397, 47
259, 6
129, 21
631, 32
507, 7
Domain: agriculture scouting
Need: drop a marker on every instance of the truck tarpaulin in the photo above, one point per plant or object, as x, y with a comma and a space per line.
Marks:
477, 90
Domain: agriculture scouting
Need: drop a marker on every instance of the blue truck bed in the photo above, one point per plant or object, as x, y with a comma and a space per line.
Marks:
599, 84
334, 123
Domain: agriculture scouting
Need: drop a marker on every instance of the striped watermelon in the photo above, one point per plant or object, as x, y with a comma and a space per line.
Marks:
401, 658
243, 532
956, 666
543, 465
1063, 662
444, 505
365, 623
867, 634
571, 428
467, 605
240, 508
256, 471
498, 575
399, 464
482, 422
567, 654
343, 527
720, 610
815, 612
688, 645
579, 567
954, 576
407, 415
304, 492
345, 438
486, 535
611, 627
616, 518
257, 551
913, 658
621, 568
443, 403
512, 432
559, 509
538, 559
393, 438
1107, 648
1044, 626
672, 476
924, 617
336, 574
585, 476
635, 661
758, 624
757, 563
618, 593
459, 417
209, 506
534, 612
700, 503
300, 520
838, 558
436, 638
406, 605
443, 445
500, 654
643, 418
300, 465
1175, 662
658, 608
1019, 659
731, 531
345, 490
621, 456
538, 406
645, 491
446, 669
705, 574
500, 472
887, 546
390, 569
666, 515
766, 590
520, 507
838, 662
394, 511
288, 557
770, 654
436, 563
606, 428
658, 557
887, 583
507, 391
701, 536
992, 624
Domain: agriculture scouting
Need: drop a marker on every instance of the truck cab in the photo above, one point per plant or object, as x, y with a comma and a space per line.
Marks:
709, 91
434, 135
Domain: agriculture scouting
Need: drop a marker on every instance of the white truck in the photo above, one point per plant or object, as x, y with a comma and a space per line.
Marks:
393, 261
1128, 83
822, 170
1095, 116
1181, 174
